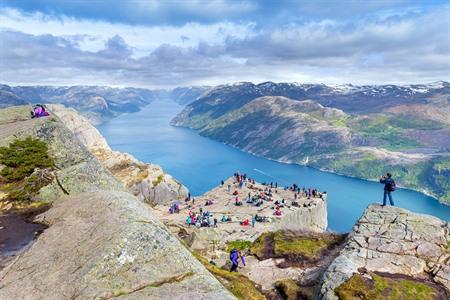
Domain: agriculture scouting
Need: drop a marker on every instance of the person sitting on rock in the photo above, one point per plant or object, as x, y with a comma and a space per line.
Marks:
245, 222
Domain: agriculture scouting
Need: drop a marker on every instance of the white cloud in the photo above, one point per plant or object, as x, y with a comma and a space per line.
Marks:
407, 48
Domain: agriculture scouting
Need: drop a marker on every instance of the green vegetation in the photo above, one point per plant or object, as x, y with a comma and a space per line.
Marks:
239, 245
288, 289
26, 168
406, 122
242, 287
432, 175
382, 128
158, 180
293, 246
359, 287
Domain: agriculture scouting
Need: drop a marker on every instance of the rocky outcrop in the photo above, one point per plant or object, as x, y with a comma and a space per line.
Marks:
76, 169
102, 245
102, 242
311, 215
392, 240
148, 182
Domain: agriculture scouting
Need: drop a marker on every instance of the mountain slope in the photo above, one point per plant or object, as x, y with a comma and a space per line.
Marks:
407, 134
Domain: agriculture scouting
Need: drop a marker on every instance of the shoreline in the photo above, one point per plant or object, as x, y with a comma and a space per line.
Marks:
422, 191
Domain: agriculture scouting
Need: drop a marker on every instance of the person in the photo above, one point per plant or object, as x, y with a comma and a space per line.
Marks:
221, 183
234, 255
389, 187
215, 222
253, 221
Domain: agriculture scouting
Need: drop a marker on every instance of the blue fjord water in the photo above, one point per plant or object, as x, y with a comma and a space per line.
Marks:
200, 163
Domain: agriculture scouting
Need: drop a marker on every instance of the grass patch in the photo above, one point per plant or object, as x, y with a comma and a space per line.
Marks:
239, 245
359, 287
27, 166
158, 180
238, 284
288, 289
293, 246
142, 174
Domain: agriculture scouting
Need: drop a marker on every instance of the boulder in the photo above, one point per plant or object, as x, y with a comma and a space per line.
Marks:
392, 240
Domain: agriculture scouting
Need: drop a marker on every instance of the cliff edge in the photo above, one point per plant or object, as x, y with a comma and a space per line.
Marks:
148, 182
395, 242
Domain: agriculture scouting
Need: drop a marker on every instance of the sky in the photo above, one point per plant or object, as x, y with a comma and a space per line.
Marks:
164, 44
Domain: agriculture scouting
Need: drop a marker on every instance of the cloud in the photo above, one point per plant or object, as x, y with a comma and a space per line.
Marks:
405, 48
135, 12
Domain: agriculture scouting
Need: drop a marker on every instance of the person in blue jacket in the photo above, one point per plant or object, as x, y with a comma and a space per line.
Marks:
389, 187
234, 257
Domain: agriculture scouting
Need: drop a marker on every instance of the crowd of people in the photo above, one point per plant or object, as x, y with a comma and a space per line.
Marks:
257, 197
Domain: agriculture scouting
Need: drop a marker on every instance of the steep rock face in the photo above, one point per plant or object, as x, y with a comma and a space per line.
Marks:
102, 242
146, 181
102, 245
312, 216
396, 241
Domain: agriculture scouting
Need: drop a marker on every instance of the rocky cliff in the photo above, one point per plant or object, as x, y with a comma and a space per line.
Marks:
393, 241
146, 181
102, 242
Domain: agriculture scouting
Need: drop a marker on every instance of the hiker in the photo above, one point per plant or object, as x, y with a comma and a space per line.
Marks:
215, 222
234, 255
253, 221
389, 187
222, 183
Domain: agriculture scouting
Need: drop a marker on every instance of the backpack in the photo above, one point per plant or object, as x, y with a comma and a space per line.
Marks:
391, 186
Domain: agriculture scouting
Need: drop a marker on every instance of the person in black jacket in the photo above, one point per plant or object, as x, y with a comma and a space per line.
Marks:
389, 187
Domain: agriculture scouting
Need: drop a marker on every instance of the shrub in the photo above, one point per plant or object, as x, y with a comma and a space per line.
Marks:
27, 166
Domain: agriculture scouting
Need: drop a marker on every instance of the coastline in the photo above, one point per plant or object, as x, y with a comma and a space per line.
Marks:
422, 191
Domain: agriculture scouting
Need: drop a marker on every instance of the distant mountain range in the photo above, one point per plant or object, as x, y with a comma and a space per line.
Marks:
97, 103
360, 131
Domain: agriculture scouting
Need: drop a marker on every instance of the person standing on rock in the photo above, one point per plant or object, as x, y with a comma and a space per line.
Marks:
389, 187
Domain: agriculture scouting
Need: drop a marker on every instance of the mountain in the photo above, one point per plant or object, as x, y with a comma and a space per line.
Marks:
186, 95
359, 131
97, 103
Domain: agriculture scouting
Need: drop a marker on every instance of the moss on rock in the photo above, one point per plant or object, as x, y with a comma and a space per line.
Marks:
294, 246
383, 287
238, 284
